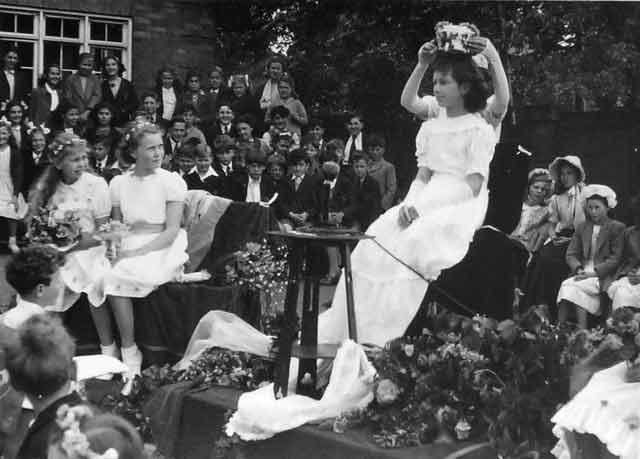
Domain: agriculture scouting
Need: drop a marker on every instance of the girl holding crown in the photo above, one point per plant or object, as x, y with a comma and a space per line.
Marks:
431, 228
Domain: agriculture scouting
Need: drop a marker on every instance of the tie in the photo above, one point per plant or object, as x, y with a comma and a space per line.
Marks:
352, 149
297, 181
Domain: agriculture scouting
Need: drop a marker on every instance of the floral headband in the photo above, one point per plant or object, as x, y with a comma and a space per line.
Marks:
138, 125
74, 442
244, 78
57, 146
4, 122
4, 103
32, 127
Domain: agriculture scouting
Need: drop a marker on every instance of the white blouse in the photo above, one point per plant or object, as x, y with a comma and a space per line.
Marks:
144, 199
169, 102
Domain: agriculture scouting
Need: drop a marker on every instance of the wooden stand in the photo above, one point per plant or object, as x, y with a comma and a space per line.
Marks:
300, 270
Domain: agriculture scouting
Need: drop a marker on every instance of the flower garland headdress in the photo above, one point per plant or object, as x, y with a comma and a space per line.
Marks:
5, 122
31, 126
137, 126
57, 146
74, 442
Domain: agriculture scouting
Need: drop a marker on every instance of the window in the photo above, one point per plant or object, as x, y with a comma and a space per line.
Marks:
45, 37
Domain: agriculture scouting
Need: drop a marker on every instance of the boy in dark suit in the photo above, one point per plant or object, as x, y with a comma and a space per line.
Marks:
83, 89
14, 84
101, 156
174, 139
223, 125
364, 206
224, 149
185, 158
150, 107
334, 193
356, 140
254, 185
304, 202
204, 177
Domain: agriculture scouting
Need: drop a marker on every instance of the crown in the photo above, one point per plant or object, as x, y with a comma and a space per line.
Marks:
452, 38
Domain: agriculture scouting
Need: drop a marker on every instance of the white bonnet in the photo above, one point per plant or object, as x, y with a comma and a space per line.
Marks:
600, 190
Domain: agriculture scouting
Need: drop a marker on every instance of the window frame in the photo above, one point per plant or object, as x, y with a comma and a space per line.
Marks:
39, 36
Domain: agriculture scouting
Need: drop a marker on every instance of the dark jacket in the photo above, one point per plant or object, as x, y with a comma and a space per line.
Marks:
40, 108
124, 103
630, 258
212, 184
22, 89
87, 99
205, 104
36, 443
32, 170
364, 204
169, 150
238, 188
608, 250
335, 200
305, 198
214, 130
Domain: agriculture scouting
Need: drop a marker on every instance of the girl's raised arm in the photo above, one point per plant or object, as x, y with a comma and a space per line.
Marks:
409, 98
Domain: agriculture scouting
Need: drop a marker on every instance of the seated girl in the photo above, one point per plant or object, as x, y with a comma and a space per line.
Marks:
625, 290
40, 364
150, 200
535, 212
593, 256
107, 436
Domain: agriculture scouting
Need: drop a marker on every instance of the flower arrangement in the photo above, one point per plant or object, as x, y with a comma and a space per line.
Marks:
260, 267
54, 226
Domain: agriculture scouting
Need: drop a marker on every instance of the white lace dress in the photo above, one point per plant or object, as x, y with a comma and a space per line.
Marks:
387, 294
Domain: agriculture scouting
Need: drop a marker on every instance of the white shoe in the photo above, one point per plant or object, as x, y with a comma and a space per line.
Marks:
132, 358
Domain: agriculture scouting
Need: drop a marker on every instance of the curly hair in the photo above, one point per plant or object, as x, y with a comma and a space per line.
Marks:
43, 188
40, 361
100, 106
121, 67
464, 71
31, 267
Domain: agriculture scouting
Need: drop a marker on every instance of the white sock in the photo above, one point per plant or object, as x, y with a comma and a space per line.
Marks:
110, 350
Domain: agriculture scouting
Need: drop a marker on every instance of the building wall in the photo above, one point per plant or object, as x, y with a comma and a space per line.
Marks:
178, 33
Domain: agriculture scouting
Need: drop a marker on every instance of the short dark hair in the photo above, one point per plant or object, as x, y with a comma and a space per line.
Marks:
222, 144
189, 107
355, 114
83, 56
464, 71
202, 150
246, 118
358, 156
40, 361
189, 147
297, 155
281, 111
151, 94
376, 140
31, 267
177, 119
313, 122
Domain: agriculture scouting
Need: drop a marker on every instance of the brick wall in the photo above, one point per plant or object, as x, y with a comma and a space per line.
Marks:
178, 33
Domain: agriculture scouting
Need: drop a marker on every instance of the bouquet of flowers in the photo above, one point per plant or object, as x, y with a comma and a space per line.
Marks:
260, 267
112, 234
54, 226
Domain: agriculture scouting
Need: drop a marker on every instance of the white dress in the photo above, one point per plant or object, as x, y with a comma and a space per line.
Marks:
7, 209
143, 199
584, 293
622, 293
387, 294
89, 198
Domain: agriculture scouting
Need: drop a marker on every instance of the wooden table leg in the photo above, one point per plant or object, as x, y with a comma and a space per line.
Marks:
345, 251
288, 333
307, 370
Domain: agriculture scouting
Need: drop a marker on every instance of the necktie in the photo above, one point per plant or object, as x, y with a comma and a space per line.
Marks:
297, 181
352, 149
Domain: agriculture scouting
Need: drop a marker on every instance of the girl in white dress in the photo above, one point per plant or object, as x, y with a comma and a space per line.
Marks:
625, 290
12, 204
593, 256
150, 200
68, 186
431, 229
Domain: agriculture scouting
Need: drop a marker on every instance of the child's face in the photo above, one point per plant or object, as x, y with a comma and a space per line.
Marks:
375, 152
73, 164
300, 168
568, 176
279, 122
189, 118
53, 76
15, 114
312, 151
255, 170
86, 66
284, 89
111, 67
275, 70
225, 157
283, 146
150, 152
596, 210
10, 60
203, 163
215, 79
38, 142
538, 192
354, 126
245, 131
316, 133
150, 105
186, 163
50, 295
178, 131
447, 91
360, 168
5, 134
100, 151
225, 114
104, 117
276, 172
167, 79
194, 83
71, 117
239, 89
